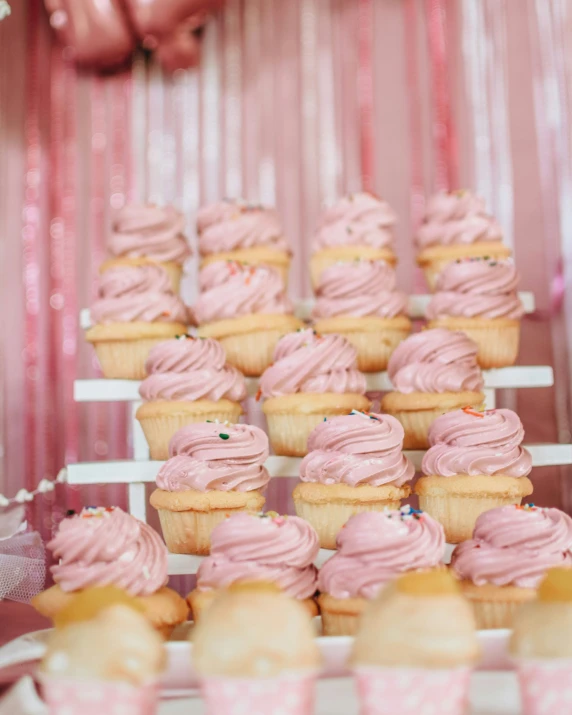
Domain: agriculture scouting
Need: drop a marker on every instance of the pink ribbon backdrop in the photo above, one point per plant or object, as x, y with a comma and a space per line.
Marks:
294, 103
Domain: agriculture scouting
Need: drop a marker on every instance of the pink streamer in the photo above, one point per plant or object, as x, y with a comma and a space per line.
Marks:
365, 89
446, 160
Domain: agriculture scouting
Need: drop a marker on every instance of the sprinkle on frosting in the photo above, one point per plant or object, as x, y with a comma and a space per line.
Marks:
515, 545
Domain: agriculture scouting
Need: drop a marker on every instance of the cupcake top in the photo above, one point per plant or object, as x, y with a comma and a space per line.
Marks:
115, 644
307, 362
207, 456
375, 547
470, 442
105, 546
359, 289
436, 360
253, 630
357, 219
149, 231
477, 288
234, 224
542, 629
515, 545
264, 547
457, 217
130, 293
357, 449
187, 368
230, 290
421, 620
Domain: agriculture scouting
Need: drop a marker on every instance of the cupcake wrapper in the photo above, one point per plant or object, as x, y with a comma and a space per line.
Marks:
498, 345
494, 614
284, 695
251, 353
339, 624
545, 686
64, 696
159, 430
189, 532
413, 691
374, 348
125, 359
416, 426
328, 519
458, 514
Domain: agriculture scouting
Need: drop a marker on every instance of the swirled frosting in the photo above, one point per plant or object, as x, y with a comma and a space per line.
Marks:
456, 217
375, 547
361, 288
306, 362
149, 231
515, 545
231, 225
208, 456
107, 547
246, 547
436, 360
130, 293
230, 290
469, 442
357, 219
476, 287
186, 368
357, 449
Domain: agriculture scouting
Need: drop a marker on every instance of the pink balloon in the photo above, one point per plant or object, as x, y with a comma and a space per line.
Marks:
98, 32
181, 48
160, 17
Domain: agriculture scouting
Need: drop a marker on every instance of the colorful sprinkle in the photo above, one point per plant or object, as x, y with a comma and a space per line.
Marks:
223, 435
258, 394
470, 411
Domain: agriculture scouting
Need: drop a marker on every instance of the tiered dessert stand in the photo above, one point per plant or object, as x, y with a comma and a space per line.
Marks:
139, 471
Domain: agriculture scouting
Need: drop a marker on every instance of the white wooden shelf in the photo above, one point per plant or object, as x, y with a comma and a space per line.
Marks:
519, 376
303, 308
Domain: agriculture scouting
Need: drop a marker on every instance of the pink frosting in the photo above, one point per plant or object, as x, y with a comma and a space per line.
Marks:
375, 547
357, 219
107, 547
247, 547
469, 442
306, 362
231, 225
436, 360
361, 288
477, 287
186, 368
230, 290
357, 449
208, 456
456, 217
151, 231
130, 293
515, 545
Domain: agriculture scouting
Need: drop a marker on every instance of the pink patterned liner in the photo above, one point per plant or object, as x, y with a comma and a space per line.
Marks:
412, 691
545, 686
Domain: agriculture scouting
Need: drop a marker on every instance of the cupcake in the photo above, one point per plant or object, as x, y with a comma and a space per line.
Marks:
107, 547
478, 296
103, 656
415, 648
432, 372
255, 648
355, 464
358, 226
475, 463
234, 230
503, 564
215, 469
456, 225
541, 645
259, 547
358, 300
373, 549
145, 233
313, 377
246, 309
188, 381
136, 309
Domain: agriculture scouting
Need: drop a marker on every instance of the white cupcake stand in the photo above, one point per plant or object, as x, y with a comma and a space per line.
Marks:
139, 471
